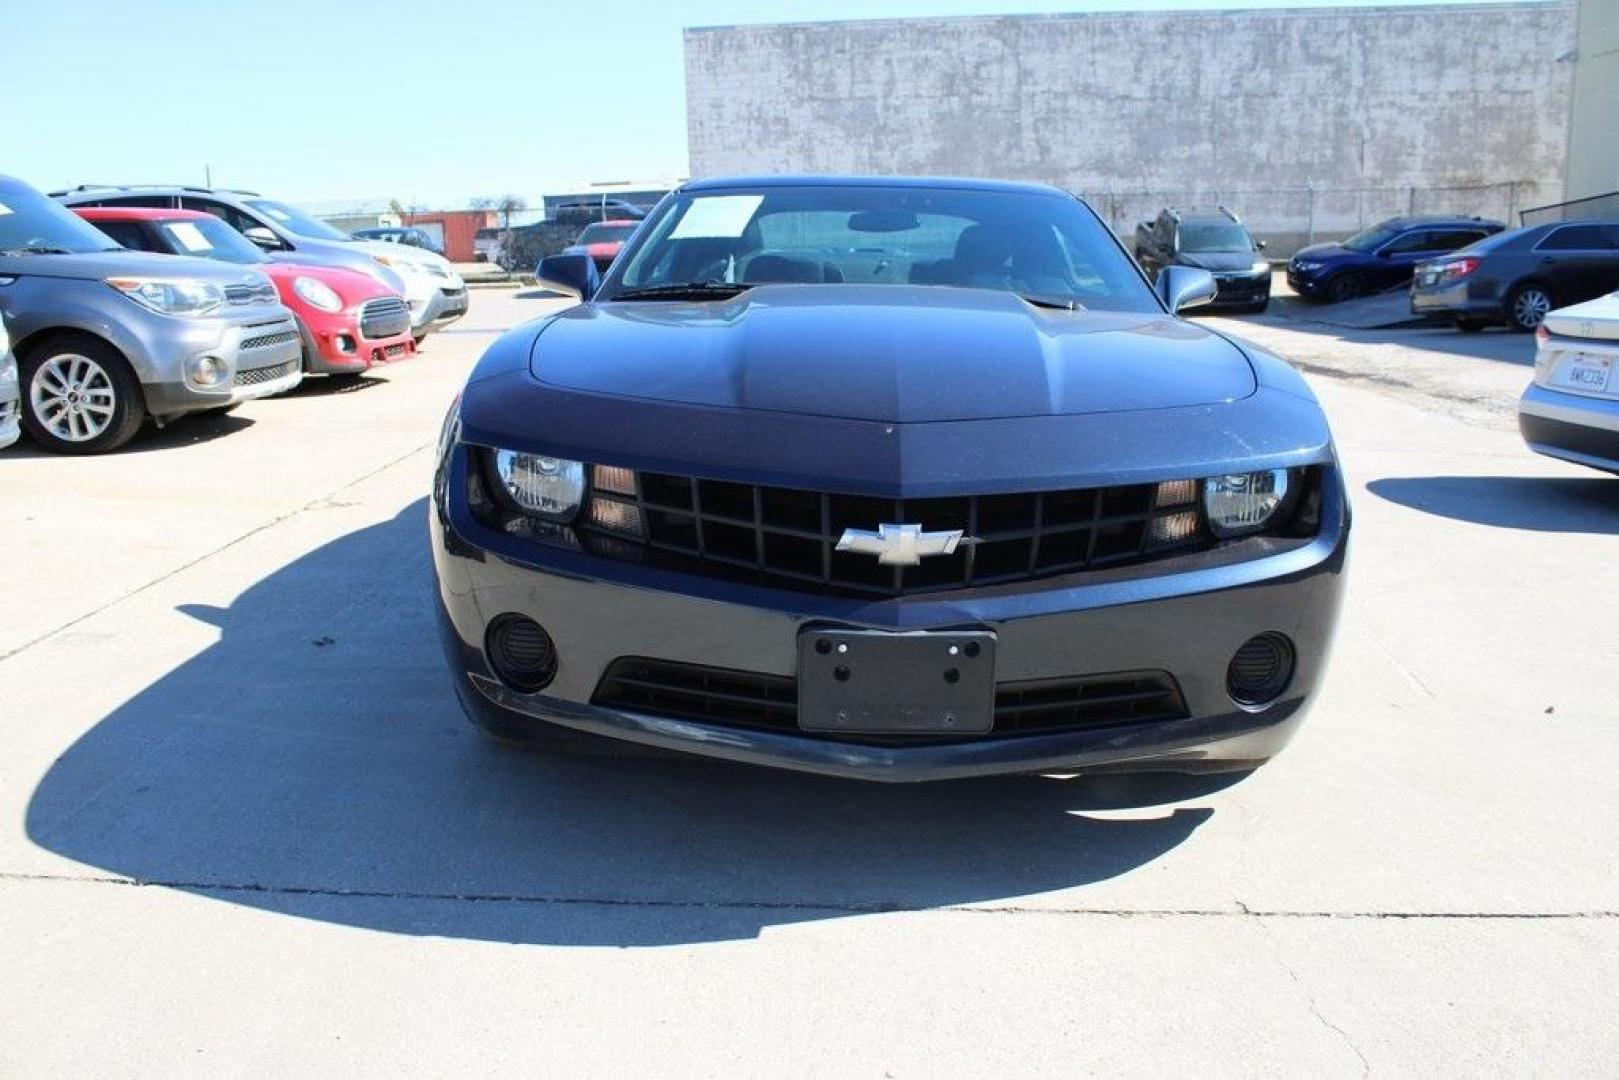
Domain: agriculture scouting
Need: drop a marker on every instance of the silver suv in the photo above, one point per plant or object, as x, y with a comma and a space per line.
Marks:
106, 337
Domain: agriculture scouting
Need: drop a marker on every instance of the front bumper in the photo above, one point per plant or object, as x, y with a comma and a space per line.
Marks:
10, 418
1572, 427
265, 357
440, 308
1240, 290
1185, 617
1305, 284
334, 345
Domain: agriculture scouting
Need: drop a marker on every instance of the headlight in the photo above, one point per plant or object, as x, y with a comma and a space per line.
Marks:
5, 339
171, 296
1261, 266
1244, 502
1308, 265
547, 487
398, 265
317, 294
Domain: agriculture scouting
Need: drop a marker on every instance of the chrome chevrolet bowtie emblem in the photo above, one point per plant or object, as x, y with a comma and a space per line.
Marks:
899, 545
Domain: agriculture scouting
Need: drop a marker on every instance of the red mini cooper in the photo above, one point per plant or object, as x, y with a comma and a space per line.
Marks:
349, 321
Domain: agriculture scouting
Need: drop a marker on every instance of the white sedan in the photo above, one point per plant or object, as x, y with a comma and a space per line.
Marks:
1571, 410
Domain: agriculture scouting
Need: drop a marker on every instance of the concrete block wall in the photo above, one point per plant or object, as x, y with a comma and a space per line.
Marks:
1306, 122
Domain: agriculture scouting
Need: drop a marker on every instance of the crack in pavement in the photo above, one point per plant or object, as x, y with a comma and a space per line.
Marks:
1238, 911
320, 502
1310, 1002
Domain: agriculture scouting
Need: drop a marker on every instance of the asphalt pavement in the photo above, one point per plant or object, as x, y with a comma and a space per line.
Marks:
244, 828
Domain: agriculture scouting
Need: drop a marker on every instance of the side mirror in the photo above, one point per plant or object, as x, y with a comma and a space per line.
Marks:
571, 275
263, 237
1182, 287
1259, 244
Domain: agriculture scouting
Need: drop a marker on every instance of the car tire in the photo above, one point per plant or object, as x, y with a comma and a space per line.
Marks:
1469, 326
1344, 285
1527, 306
79, 395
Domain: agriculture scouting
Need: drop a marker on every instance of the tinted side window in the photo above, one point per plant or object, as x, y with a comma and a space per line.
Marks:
1576, 238
125, 234
229, 214
1456, 238
1420, 240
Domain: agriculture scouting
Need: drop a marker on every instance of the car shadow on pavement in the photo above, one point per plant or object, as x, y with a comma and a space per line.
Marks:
313, 762
1539, 504
185, 431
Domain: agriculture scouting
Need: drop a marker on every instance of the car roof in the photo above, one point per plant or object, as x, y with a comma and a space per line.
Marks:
1411, 221
149, 189
137, 213
1204, 216
722, 183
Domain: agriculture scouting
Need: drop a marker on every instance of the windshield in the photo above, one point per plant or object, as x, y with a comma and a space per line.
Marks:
1371, 239
296, 221
31, 222
210, 238
605, 234
1215, 238
1037, 245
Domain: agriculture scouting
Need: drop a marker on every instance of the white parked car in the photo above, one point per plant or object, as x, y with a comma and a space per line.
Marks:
10, 407
1571, 410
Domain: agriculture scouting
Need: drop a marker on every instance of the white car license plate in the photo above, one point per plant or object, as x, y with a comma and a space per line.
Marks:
1589, 373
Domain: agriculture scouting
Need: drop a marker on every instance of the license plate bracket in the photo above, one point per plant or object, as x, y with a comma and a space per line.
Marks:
881, 682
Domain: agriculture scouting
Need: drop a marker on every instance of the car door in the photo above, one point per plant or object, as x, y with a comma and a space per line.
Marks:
1577, 262
1397, 258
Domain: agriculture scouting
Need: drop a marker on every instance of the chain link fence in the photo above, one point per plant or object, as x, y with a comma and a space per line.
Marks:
1289, 218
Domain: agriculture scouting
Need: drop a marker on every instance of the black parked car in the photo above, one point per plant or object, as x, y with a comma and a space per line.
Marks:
1381, 257
1517, 277
901, 479
1213, 240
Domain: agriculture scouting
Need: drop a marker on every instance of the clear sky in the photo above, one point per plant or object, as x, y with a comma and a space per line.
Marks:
323, 101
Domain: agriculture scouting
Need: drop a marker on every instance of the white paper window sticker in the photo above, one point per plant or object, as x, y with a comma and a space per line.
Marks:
717, 217
4, 209
190, 236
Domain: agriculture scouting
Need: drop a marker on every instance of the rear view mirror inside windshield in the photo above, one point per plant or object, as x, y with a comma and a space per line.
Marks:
883, 221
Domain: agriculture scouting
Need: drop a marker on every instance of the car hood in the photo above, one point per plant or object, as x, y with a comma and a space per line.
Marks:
1220, 261
1322, 253
350, 285
891, 353
104, 264
405, 253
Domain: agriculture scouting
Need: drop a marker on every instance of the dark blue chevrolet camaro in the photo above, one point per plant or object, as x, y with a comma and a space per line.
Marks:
892, 479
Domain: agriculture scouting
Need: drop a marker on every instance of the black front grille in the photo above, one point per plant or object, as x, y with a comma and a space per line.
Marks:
770, 702
384, 317
259, 376
789, 536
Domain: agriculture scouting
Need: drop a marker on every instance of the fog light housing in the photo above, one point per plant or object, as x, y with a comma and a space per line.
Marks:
521, 653
1260, 670
345, 343
207, 372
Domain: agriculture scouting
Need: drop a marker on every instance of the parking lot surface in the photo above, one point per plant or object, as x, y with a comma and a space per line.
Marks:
243, 826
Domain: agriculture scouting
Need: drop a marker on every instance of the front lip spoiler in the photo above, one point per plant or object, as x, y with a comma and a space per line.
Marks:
1167, 743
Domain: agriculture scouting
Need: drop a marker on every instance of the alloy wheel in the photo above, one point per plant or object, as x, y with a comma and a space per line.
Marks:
1531, 307
72, 397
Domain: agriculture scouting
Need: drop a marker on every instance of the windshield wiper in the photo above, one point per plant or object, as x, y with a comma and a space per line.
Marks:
686, 290
36, 249
1062, 303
